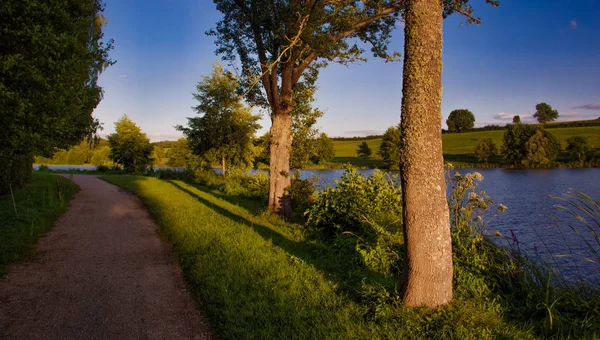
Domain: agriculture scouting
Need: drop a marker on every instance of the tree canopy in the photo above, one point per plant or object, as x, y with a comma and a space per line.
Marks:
544, 113
129, 146
364, 151
460, 120
517, 119
529, 145
485, 148
390, 147
225, 129
51, 55
577, 146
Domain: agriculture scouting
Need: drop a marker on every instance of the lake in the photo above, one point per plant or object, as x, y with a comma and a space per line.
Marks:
531, 222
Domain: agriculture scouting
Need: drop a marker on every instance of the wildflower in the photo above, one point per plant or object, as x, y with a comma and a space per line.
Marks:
502, 207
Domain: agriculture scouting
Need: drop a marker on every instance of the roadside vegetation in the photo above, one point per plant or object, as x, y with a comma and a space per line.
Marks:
32, 213
332, 271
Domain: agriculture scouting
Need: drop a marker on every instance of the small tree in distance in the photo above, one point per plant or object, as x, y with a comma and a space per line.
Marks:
517, 119
129, 146
225, 130
485, 148
391, 144
460, 120
577, 146
544, 113
364, 151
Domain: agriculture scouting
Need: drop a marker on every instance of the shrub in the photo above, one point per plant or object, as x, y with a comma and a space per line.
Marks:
44, 168
102, 168
301, 192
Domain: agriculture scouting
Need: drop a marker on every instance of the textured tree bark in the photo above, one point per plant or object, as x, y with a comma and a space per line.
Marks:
427, 273
281, 147
223, 166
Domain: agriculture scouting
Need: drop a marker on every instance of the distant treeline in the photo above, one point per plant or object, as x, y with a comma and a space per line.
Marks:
555, 125
356, 138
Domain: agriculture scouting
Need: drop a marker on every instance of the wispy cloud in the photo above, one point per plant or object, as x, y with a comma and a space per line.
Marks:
591, 106
361, 133
124, 75
573, 24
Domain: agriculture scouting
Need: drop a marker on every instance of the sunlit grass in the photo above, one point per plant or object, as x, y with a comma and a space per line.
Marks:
256, 276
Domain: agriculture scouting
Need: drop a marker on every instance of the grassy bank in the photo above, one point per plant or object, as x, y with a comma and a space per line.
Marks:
256, 276
458, 147
38, 206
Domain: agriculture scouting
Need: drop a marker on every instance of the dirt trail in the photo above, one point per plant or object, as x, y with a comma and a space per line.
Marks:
101, 273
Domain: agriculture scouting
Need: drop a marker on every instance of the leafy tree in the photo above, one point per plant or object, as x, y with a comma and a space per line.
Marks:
323, 150
129, 146
544, 113
224, 131
427, 272
517, 119
391, 145
542, 148
485, 148
519, 150
304, 118
364, 151
460, 120
577, 146
180, 155
281, 44
51, 55
101, 156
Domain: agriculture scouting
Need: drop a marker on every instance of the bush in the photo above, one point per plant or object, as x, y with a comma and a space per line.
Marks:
301, 192
44, 168
368, 208
186, 175
102, 168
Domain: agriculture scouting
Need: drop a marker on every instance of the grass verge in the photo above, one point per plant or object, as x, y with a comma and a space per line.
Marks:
258, 277
38, 206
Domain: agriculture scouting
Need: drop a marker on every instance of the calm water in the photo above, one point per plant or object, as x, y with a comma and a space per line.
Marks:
532, 221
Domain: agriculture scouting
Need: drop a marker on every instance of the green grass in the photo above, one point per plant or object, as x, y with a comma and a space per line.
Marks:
458, 147
257, 277
38, 206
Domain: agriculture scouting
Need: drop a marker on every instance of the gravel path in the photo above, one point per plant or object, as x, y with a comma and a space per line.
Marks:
101, 273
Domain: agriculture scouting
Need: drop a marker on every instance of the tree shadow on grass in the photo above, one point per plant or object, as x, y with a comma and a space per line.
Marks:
314, 253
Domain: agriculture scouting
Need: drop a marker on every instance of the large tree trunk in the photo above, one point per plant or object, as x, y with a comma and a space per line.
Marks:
427, 274
281, 148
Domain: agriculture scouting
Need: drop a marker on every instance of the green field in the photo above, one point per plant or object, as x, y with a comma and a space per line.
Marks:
458, 147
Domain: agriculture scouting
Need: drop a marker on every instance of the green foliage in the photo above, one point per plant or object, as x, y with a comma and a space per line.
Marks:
460, 120
484, 149
577, 146
129, 146
225, 129
304, 118
544, 113
529, 145
357, 204
52, 54
301, 192
186, 175
324, 150
180, 155
542, 149
38, 205
391, 145
364, 151
517, 119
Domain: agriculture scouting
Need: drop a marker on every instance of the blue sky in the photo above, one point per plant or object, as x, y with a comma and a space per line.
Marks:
524, 53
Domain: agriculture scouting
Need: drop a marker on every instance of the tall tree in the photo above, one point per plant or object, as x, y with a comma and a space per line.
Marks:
225, 130
279, 43
51, 54
129, 146
391, 144
427, 271
544, 113
460, 120
485, 148
324, 149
